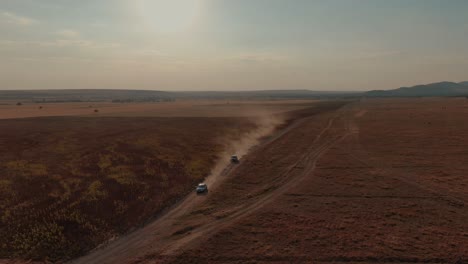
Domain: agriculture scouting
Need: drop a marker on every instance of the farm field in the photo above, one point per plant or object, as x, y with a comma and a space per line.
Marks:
70, 183
381, 180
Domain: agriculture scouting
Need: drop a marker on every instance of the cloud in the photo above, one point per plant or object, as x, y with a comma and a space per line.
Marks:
69, 37
58, 43
68, 34
152, 53
63, 38
259, 57
12, 18
380, 54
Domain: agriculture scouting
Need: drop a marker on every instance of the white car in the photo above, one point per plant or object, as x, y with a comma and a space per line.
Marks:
202, 188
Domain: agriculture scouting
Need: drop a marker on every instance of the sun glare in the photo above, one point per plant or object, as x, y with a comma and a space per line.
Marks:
170, 16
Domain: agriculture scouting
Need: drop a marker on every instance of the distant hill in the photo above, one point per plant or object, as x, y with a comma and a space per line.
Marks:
261, 94
85, 95
433, 89
89, 95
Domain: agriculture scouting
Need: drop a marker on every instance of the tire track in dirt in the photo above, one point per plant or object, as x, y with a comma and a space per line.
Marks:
159, 234
289, 180
223, 243
398, 173
139, 238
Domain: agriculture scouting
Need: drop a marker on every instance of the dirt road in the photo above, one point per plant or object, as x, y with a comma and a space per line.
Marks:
289, 159
359, 184
384, 182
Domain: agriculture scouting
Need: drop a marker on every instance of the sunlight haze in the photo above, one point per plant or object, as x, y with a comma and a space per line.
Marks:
231, 45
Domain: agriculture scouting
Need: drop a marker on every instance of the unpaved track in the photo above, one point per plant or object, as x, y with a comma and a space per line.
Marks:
308, 160
356, 206
158, 239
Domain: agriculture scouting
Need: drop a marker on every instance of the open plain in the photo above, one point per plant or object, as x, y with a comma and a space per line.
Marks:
375, 181
180, 108
71, 182
233, 132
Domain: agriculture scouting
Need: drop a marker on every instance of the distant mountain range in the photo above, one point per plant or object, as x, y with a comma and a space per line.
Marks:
433, 89
85, 95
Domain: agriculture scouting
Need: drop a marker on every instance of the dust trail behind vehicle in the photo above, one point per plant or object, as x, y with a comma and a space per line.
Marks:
265, 124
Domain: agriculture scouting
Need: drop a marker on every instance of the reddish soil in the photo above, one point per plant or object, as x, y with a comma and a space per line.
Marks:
68, 184
376, 181
181, 108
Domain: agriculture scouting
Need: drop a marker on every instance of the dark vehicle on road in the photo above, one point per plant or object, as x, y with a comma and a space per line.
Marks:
202, 188
234, 159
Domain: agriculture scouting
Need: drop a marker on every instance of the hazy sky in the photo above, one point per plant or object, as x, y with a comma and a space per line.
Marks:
231, 44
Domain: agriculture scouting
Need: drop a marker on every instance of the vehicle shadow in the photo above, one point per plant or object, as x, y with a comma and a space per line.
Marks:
202, 193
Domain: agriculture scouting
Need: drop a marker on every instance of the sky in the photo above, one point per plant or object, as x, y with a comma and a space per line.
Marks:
231, 44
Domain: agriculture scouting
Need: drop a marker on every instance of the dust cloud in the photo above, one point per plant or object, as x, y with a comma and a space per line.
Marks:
242, 142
